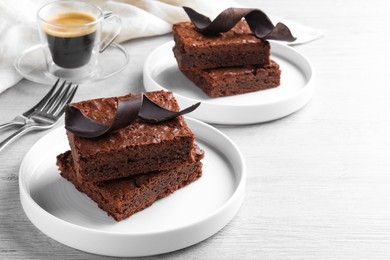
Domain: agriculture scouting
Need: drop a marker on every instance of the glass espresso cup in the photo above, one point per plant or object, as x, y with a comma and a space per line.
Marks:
71, 34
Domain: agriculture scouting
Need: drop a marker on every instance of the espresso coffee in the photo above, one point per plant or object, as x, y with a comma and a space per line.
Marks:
71, 39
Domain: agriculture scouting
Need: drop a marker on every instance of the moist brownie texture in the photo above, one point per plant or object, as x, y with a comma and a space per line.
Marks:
123, 197
236, 80
138, 148
237, 47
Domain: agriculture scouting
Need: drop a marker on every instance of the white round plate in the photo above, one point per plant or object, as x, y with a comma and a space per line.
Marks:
182, 219
161, 72
31, 64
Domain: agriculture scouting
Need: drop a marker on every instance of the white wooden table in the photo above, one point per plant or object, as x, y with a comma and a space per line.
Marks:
318, 182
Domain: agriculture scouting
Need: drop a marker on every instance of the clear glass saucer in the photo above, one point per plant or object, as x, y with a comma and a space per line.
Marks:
31, 65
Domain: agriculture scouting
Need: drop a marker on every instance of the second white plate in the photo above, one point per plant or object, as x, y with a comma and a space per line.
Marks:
161, 72
184, 218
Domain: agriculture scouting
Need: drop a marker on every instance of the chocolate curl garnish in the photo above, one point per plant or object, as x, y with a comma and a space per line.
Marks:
128, 110
258, 22
153, 113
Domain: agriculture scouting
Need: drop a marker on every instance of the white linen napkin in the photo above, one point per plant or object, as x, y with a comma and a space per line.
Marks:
140, 18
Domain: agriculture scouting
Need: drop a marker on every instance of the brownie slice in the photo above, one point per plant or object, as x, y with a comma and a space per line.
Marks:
122, 198
237, 80
138, 148
237, 47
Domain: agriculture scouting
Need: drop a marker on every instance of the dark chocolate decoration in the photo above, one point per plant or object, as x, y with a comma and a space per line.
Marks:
153, 113
128, 110
258, 21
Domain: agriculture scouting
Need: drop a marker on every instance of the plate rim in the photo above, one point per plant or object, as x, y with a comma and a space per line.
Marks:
275, 47
235, 198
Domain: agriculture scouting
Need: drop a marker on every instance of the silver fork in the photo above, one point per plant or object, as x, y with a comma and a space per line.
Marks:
20, 120
46, 114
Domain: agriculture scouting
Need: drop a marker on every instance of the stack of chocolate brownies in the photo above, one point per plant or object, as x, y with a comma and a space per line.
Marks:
127, 170
225, 64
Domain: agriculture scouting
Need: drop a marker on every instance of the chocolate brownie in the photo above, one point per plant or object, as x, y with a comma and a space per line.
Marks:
236, 80
138, 148
123, 197
237, 47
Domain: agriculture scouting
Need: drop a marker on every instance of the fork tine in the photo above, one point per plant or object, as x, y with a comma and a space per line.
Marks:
43, 100
71, 95
52, 99
59, 100
66, 100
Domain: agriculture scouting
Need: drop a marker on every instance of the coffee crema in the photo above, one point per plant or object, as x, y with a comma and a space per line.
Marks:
70, 24
71, 38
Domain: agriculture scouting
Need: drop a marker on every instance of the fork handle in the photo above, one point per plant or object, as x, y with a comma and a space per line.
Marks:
11, 123
18, 120
24, 129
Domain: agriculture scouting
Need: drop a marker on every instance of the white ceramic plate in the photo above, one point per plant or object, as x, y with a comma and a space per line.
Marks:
161, 72
184, 218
